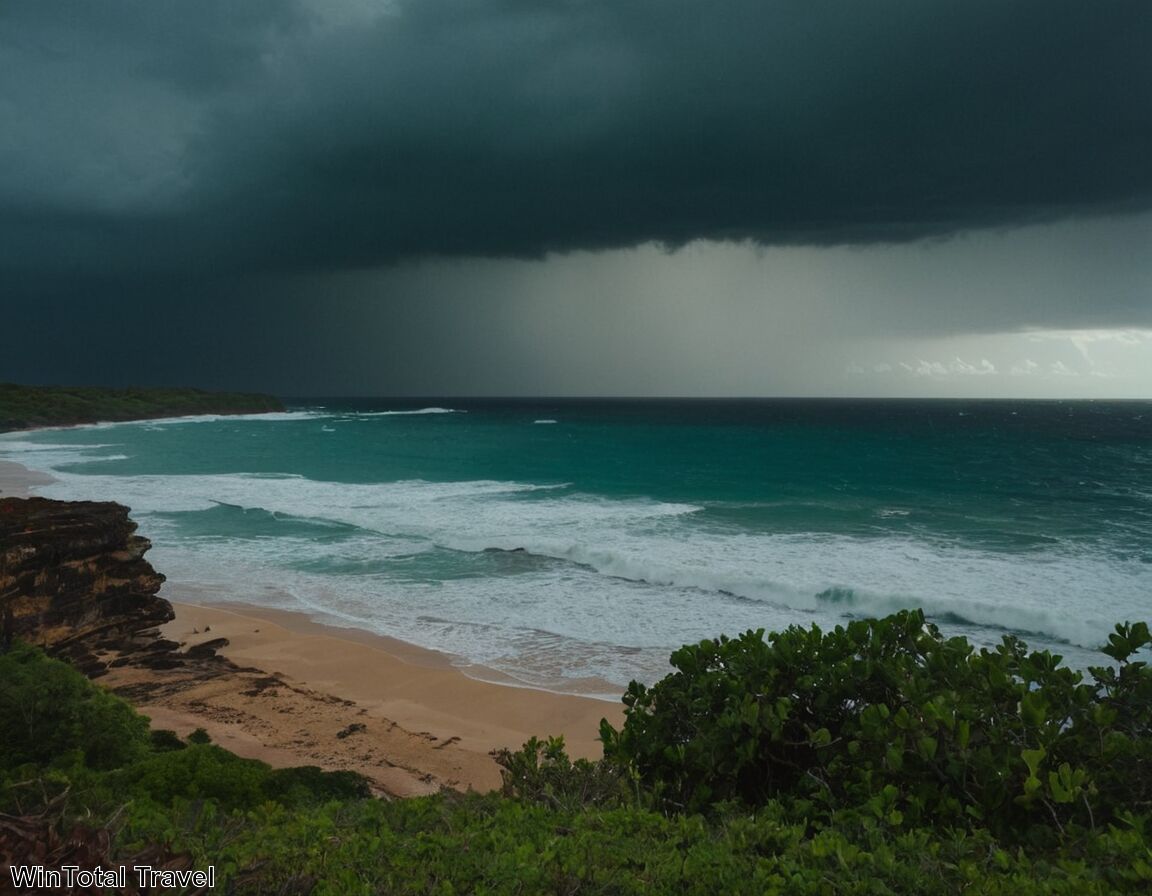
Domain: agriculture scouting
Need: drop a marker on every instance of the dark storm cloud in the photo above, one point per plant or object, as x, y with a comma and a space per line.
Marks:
277, 135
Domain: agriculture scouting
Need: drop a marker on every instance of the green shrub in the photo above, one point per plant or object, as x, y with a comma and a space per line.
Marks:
164, 740
301, 785
208, 772
887, 718
198, 772
50, 714
542, 772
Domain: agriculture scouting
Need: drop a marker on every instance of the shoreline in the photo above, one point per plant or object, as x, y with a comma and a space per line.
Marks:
17, 481
428, 722
307, 693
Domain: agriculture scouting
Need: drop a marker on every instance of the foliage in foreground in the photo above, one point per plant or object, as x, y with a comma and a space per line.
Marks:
888, 718
61, 735
875, 759
456, 844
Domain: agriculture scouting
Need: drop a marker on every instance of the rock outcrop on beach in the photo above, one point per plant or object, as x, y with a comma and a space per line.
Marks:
73, 580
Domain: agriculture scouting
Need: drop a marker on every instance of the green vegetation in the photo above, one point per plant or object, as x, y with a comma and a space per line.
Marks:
887, 717
878, 758
59, 733
22, 407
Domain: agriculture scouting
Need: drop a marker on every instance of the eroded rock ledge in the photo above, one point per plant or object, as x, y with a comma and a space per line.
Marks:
73, 580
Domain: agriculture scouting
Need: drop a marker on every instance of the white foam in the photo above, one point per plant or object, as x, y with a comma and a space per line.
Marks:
95, 458
157, 422
658, 543
467, 516
265, 417
407, 413
638, 577
17, 446
48, 457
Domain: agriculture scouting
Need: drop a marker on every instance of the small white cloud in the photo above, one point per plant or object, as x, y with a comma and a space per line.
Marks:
927, 368
1061, 369
1027, 367
881, 368
963, 368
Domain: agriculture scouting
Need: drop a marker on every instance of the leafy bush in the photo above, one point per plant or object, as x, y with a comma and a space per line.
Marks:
306, 784
887, 718
164, 740
542, 772
50, 714
199, 771
208, 772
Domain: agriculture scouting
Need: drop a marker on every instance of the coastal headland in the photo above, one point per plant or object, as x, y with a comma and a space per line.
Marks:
26, 407
265, 684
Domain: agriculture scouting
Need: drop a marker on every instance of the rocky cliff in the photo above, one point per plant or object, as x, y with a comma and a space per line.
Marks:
73, 579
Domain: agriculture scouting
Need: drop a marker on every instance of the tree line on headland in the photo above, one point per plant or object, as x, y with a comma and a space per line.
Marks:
878, 758
24, 407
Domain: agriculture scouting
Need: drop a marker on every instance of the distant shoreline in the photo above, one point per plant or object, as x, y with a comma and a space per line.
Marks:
36, 407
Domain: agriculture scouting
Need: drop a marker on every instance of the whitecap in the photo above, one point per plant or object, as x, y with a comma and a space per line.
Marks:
408, 413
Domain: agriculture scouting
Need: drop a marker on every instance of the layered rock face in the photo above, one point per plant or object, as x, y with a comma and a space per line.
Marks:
73, 579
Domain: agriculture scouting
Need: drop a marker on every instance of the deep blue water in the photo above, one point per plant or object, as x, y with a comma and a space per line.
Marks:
566, 541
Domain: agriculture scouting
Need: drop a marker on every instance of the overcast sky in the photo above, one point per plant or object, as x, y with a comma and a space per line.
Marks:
579, 197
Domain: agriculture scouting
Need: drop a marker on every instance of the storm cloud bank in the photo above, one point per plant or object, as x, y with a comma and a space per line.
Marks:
169, 138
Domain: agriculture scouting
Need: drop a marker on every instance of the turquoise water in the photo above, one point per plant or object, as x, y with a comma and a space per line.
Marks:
573, 544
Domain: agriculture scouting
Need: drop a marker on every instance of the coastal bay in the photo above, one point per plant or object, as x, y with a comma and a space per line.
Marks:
249, 698
342, 699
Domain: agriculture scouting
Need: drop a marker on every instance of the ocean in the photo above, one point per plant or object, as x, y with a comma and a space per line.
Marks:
571, 545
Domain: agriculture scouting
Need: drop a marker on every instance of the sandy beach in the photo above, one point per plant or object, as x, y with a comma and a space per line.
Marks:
17, 481
340, 698
309, 694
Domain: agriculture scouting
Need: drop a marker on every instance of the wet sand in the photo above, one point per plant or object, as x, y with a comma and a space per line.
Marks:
17, 481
